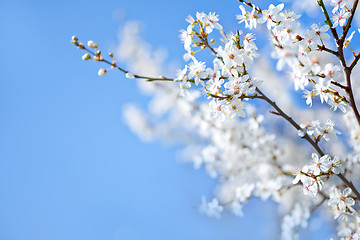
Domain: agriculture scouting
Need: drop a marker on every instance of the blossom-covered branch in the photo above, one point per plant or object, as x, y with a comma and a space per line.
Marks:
250, 157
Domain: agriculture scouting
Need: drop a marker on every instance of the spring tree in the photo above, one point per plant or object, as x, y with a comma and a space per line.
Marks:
227, 111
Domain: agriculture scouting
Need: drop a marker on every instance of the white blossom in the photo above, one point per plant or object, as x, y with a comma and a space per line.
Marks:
271, 15
338, 4
130, 75
340, 18
101, 72
215, 112
211, 209
341, 200
197, 71
247, 17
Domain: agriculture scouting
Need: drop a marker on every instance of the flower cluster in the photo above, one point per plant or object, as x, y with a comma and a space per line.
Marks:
312, 176
298, 218
340, 11
227, 83
205, 24
340, 201
319, 130
348, 230
250, 158
211, 209
297, 50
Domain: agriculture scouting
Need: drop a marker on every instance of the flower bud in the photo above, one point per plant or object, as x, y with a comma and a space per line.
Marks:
101, 72
74, 38
92, 44
97, 58
81, 46
111, 54
130, 75
86, 56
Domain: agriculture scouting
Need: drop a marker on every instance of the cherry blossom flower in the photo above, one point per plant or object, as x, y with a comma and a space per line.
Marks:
211, 209
321, 164
309, 95
327, 131
216, 109
271, 16
336, 167
186, 37
332, 73
102, 72
247, 17
236, 208
197, 71
338, 4
181, 75
341, 200
213, 85
321, 32
211, 22
242, 193
311, 185
129, 75
184, 86
298, 217
340, 18
348, 40
235, 108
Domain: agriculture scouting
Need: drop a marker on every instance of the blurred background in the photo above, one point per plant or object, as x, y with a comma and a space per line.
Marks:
69, 166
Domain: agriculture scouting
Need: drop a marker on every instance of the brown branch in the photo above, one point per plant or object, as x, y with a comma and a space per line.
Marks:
260, 95
312, 142
328, 20
348, 24
290, 120
258, 9
323, 48
338, 84
307, 138
206, 44
350, 93
350, 185
340, 44
353, 64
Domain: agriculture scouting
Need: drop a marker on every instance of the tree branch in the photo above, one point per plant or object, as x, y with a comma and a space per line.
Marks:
353, 64
348, 24
340, 44
350, 93
307, 138
323, 48
291, 121
328, 20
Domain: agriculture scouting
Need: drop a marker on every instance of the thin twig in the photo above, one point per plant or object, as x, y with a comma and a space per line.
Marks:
355, 61
290, 120
340, 44
328, 20
350, 185
348, 24
323, 48
353, 210
338, 84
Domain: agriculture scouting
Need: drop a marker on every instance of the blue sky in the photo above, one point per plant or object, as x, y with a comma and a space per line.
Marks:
69, 167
